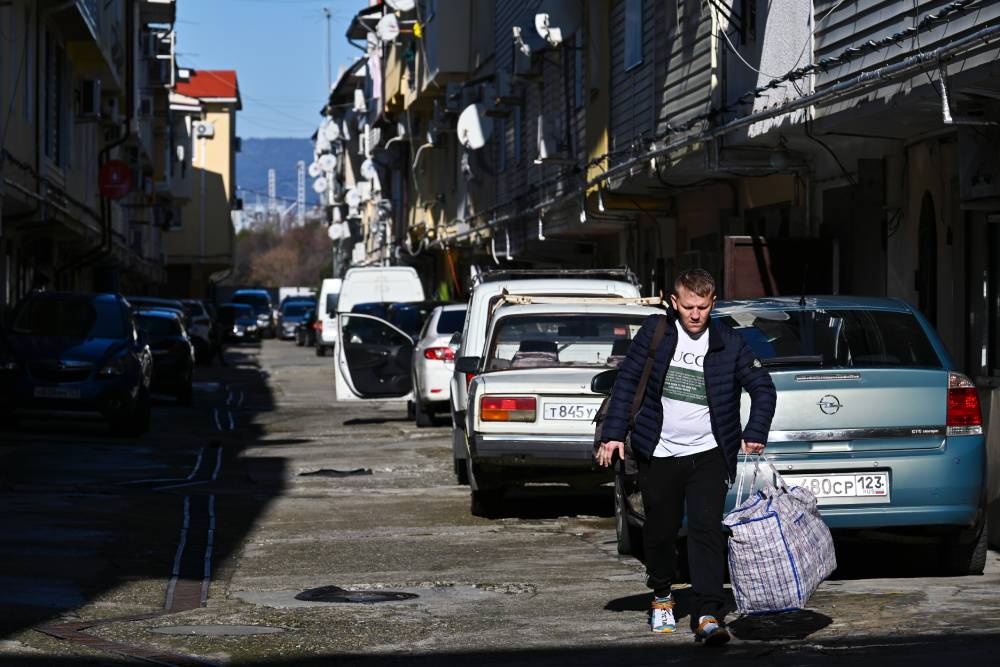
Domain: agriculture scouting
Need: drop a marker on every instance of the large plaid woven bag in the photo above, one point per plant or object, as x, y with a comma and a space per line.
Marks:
780, 550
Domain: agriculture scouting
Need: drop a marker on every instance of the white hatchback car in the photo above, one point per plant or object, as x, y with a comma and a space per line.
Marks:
531, 409
434, 362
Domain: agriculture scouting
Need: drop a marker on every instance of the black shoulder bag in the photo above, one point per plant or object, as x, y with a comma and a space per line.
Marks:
640, 392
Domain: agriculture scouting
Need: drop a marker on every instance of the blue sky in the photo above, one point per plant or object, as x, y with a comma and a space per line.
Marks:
278, 49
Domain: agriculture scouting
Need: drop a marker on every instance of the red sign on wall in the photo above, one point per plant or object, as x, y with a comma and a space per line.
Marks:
115, 179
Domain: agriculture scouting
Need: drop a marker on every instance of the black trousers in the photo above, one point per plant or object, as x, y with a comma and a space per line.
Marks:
700, 481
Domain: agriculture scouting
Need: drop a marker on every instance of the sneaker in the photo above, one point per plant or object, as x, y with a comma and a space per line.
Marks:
661, 618
711, 632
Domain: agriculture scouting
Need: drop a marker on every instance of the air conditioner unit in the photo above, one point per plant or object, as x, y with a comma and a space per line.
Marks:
204, 130
90, 98
551, 145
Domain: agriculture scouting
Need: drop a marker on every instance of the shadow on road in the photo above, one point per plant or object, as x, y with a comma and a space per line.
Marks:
84, 516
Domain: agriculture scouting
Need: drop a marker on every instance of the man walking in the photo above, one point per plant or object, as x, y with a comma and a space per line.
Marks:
686, 436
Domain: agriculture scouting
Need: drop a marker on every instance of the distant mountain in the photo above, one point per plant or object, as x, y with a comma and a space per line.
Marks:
259, 155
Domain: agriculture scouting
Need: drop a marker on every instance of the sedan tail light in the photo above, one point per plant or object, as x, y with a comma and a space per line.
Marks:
964, 415
507, 409
318, 325
440, 353
468, 379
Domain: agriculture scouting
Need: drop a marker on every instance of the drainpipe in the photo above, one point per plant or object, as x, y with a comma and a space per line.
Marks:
107, 236
946, 116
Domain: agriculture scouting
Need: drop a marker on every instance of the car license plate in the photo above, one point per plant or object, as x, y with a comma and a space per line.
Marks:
870, 485
57, 392
570, 411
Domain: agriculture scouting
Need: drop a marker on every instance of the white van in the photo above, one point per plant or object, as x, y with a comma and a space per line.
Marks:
374, 357
326, 315
487, 291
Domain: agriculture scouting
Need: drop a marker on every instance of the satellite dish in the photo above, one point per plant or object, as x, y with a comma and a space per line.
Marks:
331, 132
557, 20
474, 126
327, 162
368, 171
352, 198
337, 231
320, 185
387, 28
402, 5
526, 37
315, 170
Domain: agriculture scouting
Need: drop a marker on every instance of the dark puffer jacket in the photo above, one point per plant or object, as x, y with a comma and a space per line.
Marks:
729, 367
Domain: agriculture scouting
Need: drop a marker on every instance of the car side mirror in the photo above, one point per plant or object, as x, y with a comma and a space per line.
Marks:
604, 382
467, 364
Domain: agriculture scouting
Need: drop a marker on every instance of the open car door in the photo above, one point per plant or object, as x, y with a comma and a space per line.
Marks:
375, 357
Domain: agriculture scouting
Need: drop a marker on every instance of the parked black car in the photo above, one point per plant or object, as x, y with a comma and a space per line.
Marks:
260, 301
238, 322
173, 352
77, 352
305, 332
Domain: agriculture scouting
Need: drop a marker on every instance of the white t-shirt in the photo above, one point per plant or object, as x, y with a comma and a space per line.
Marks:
687, 426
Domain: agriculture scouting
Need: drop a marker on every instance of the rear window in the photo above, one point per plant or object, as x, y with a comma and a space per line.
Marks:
835, 338
75, 317
451, 321
194, 309
159, 327
547, 341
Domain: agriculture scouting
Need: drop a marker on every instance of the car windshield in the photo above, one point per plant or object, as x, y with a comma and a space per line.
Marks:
233, 312
158, 327
554, 340
258, 302
294, 309
451, 321
834, 338
73, 316
194, 309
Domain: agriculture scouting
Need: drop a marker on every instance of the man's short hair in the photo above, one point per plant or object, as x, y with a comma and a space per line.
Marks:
697, 281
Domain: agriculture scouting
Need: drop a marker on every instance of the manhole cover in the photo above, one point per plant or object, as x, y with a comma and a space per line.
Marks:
216, 630
336, 594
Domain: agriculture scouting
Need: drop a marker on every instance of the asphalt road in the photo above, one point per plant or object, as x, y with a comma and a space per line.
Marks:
190, 545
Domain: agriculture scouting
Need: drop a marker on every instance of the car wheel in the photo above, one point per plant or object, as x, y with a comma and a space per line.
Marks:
486, 502
964, 558
461, 472
422, 415
629, 536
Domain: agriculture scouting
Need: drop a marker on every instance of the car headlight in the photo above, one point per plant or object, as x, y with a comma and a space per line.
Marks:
115, 368
262, 318
8, 365
251, 327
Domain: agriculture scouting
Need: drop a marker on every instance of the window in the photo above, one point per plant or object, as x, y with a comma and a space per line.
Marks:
835, 338
554, 339
451, 321
633, 34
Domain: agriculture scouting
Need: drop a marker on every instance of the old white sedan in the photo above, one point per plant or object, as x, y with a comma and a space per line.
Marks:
531, 410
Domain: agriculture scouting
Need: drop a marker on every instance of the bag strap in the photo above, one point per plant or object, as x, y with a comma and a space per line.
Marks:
640, 390
778, 480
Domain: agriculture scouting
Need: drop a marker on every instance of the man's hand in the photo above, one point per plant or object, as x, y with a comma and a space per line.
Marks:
606, 451
752, 447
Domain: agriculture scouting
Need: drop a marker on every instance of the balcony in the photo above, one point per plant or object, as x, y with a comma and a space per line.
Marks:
89, 31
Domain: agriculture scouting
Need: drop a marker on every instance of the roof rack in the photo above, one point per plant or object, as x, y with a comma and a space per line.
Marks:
528, 299
622, 274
